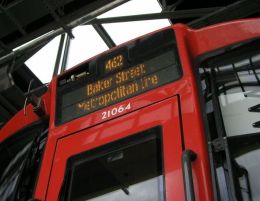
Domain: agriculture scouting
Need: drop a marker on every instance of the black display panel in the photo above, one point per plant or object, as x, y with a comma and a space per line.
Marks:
114, 76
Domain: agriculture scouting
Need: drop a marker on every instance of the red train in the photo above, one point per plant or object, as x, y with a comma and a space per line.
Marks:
172, 115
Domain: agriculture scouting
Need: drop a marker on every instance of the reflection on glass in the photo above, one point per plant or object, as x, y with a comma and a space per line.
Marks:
129, 172
249, 180
148, 190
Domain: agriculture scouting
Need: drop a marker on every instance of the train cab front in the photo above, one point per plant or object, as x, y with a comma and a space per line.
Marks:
159, 118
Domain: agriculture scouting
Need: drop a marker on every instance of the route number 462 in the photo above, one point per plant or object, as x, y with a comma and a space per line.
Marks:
116, 110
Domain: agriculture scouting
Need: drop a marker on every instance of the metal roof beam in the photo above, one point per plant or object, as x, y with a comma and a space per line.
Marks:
58, 56
104, 35
178, 14
65, 54
4, 47
171, 6
37, 42
13, 3
57, 18
13, 19
239, 9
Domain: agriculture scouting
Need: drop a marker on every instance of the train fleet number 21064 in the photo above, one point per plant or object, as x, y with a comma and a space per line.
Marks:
115, 111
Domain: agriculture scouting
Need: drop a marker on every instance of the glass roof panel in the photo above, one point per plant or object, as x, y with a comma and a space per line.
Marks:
134, 7
42, 63
86, 44
124, 31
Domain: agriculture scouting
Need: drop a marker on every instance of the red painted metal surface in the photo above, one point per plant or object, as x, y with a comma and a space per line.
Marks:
164, 113
189, 46
192, 122
220, 35
62, 131
191, 118
23, 118
169, 106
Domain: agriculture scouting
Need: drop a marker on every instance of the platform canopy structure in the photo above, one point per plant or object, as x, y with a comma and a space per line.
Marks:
26, 26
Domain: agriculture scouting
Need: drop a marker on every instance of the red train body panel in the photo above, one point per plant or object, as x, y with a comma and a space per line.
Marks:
175, 107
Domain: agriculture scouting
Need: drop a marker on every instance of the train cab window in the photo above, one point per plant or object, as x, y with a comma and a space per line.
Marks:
230, 87
20, 158
129, 169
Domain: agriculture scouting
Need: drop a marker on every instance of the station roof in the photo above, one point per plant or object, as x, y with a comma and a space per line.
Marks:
22, 21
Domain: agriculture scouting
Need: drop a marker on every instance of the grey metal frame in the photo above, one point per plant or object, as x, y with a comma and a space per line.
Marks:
206, 16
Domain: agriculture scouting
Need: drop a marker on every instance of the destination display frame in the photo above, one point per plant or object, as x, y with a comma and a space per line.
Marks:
125, 72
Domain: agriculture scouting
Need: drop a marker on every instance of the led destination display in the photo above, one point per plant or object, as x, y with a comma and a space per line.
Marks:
121, 76
121, 90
